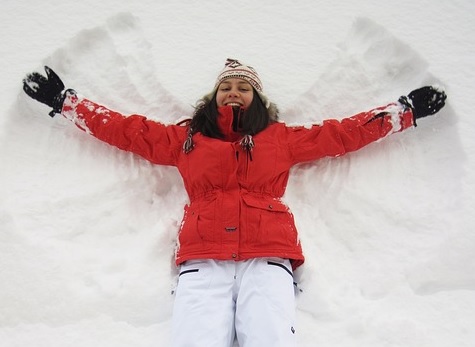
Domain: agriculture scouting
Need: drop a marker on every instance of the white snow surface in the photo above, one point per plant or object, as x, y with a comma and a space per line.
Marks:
87, 232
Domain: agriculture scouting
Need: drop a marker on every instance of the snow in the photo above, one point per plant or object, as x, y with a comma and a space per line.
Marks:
87, 232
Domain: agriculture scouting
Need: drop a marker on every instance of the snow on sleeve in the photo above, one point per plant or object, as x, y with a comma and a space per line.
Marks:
400, 117
69, 111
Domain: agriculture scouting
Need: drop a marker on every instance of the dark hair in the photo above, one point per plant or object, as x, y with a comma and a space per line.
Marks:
253, 120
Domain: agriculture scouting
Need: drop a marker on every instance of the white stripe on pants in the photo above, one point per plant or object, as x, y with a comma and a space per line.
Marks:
252, 299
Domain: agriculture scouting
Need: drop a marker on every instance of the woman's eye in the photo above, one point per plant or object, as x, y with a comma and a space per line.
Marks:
227, 89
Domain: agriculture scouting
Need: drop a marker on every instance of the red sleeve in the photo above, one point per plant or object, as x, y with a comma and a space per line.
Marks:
156, 142
337, 137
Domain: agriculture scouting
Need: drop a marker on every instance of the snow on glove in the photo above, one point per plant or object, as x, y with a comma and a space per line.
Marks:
424, 101
48, 90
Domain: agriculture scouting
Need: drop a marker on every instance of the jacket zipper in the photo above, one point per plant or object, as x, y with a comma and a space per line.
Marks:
246, 165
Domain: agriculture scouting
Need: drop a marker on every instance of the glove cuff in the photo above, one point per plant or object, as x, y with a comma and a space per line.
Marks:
407, 103
58, 101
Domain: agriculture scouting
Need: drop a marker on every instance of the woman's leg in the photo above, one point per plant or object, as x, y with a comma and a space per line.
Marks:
203, 313
265, 306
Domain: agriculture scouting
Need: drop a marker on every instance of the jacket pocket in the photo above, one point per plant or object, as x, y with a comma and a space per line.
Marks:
269, 223
267, 204
188, 234
198, 223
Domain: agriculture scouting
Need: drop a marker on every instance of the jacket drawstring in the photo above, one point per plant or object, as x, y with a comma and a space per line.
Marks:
247, 143
188, 145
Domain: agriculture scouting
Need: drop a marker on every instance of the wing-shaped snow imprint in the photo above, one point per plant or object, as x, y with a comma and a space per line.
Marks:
345, 208
372, 67
80, 200
113, 64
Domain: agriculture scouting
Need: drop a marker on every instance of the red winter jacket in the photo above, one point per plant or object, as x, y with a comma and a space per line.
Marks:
235, 211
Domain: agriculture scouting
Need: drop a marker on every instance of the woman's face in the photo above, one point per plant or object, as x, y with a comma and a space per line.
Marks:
234, 92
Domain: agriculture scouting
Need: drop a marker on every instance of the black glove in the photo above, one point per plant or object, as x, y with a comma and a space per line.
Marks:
48, 90
424, 101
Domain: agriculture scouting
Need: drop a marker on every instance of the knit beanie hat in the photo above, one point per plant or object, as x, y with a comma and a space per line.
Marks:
235, 69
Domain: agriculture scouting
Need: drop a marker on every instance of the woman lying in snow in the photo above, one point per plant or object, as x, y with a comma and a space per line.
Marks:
237, 245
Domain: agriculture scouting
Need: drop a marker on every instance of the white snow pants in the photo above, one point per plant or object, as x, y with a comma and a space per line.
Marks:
218, 300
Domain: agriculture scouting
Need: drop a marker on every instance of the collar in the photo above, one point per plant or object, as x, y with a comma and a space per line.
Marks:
228, 121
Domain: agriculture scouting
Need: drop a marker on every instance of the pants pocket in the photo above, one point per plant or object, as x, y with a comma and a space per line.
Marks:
184, 272
281, 265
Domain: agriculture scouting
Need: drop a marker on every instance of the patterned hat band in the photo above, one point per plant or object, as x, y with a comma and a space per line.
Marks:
234, 69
